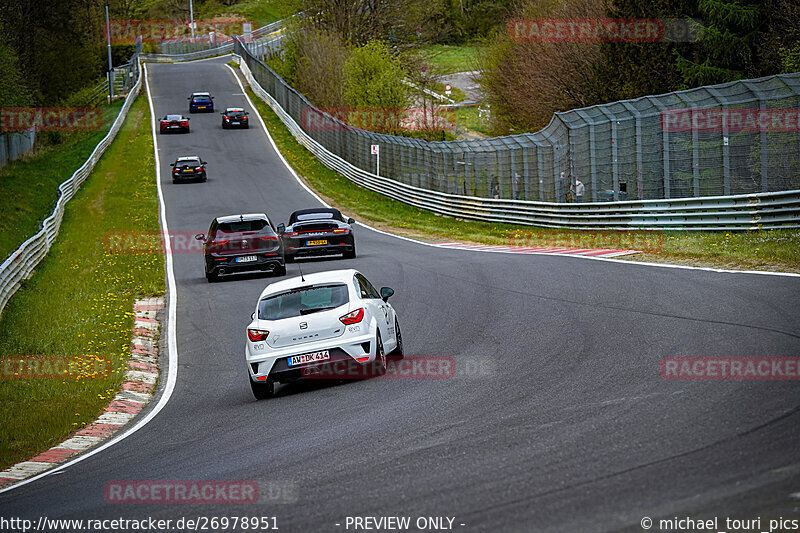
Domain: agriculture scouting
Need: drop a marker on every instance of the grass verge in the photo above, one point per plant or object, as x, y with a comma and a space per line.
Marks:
448, 59
78, 305
29, 186
760, 250
260, 12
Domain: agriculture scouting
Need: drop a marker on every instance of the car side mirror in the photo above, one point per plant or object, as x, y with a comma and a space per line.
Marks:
188, 118
351, 221
172, 164
199, 236
205, 162
281, 229
189, 98
253, 315
386, 292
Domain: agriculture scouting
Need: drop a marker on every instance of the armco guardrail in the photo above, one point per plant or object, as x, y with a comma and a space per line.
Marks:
712, 213
21, 263
260, 34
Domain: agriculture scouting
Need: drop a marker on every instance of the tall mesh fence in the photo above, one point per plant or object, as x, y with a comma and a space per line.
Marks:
735, 138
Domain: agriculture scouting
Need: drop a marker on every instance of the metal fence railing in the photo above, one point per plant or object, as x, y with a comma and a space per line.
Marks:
436, 175
20, 264
648, 148
203, 47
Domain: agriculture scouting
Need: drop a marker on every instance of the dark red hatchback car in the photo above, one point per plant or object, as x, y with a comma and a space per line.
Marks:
242, 243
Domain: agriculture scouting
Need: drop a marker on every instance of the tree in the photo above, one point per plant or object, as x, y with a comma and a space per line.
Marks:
727, 50
373, 80
319, 74
632, 69
360, 21
526, 81
13, 90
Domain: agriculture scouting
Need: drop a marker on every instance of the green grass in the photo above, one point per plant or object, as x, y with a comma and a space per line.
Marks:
29, 186
78, 304
468, 118
456, 94
447, 59
261, 12
764, 250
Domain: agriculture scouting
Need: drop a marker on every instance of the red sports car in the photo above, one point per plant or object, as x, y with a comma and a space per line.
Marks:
174, 123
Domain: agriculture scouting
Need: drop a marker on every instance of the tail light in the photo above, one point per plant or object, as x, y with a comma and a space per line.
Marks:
353, 317
198, 168
268, 239
256, 335
184, 123
226, 117
340, 231
291, 234
218, 244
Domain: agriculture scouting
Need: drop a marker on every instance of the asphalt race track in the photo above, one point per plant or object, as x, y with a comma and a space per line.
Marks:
557, 418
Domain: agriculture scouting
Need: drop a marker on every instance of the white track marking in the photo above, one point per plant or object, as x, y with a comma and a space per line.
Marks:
172, 346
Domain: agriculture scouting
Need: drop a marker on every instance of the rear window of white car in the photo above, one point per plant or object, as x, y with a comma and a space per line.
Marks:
303, 301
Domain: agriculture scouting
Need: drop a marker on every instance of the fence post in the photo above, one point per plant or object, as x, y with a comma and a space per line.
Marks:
762, 106
726, 151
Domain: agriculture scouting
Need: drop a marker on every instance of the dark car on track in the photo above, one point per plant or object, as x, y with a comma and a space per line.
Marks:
235, 117
201, 102
172, 123
189, 168
318, 231
242, 243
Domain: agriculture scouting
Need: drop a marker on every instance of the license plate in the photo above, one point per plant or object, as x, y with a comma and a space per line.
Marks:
316, 243
187, 170
174, 126
234, 122
246, 259
201, 107
324, 355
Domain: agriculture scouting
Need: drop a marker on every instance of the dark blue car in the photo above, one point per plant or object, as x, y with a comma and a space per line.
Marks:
201, 103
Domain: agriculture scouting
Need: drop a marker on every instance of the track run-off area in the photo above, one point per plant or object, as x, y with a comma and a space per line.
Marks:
556, 418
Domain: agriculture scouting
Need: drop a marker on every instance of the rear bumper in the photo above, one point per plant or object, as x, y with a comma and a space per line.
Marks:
196, 109
328, 249
344, 352
219, 264
188, 177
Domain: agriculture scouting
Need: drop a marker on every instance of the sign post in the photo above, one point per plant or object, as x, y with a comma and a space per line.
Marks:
448, 89
376, 151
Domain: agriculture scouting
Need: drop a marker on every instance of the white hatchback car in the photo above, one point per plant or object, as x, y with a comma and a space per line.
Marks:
333, 324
